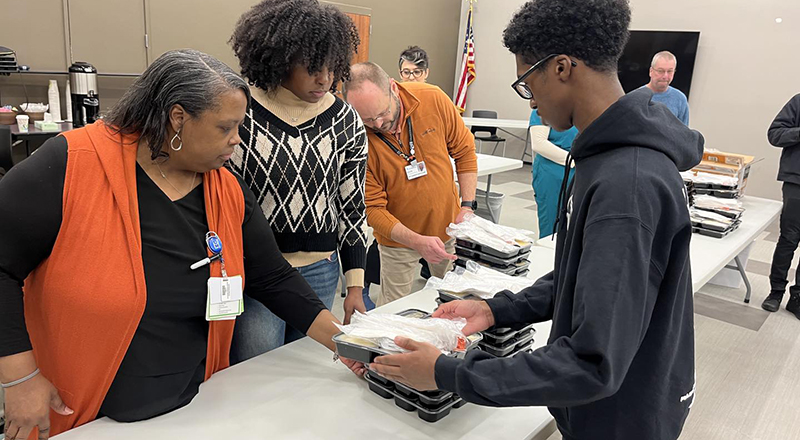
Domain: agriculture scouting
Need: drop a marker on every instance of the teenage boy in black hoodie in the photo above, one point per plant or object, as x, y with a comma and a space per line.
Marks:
619, 363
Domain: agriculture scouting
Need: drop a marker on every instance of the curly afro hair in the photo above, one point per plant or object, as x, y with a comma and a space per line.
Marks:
594, 31
275, 35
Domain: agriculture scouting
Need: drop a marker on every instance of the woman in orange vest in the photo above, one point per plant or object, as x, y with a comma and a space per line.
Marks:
133, 243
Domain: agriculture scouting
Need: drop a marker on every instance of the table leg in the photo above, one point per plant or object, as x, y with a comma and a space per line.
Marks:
740, 267
526, 146
488, 187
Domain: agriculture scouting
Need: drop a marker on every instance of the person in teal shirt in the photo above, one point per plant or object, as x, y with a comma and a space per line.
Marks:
550, 148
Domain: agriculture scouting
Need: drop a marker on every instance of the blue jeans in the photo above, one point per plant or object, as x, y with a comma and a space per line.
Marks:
368, 304
258, 330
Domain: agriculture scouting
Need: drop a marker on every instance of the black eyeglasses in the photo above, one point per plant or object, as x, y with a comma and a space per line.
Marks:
519, 85
416, 73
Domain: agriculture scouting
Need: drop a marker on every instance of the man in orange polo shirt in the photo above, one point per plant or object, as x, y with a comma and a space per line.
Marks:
411, 196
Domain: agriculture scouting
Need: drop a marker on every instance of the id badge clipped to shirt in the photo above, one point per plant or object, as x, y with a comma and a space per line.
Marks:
416, 170
225, 298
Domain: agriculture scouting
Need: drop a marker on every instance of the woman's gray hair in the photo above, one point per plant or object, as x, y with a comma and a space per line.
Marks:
187, 77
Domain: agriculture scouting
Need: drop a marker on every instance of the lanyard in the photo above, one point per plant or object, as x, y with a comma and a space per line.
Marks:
409, 159
214, 245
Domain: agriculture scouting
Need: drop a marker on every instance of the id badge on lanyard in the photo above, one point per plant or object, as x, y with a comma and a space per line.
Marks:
415, 169
225, 299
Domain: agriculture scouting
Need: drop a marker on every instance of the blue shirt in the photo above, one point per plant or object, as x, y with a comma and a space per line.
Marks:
561, 139
675, 101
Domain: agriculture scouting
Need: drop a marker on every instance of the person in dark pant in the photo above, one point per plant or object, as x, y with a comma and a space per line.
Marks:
619, 360
785, 133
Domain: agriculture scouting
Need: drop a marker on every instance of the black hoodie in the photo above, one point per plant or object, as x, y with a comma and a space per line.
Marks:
784, 132
619, 364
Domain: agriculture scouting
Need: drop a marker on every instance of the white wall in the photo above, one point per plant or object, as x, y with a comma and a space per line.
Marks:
747, 67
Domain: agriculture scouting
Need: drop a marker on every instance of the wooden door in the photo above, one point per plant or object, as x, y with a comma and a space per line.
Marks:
362, 24
362, 54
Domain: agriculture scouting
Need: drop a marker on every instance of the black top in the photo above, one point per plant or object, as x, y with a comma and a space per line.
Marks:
784, 132
165, 362
619, 364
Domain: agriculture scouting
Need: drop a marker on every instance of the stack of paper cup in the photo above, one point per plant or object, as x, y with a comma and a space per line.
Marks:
22, 122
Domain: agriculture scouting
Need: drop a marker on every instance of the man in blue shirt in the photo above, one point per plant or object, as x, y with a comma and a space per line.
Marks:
662, 71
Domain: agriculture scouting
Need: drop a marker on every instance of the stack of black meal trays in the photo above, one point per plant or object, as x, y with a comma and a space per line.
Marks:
713, 224
430, 406
514, 263
497, 341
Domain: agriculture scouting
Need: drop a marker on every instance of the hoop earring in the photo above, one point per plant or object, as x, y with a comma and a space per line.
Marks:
172, 142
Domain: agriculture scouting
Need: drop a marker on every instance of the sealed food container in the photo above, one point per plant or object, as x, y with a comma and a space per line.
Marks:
380, 379
447, 296
714, 234
364, 350
427, 414
491, 259
469, 244
499, 339
513, 270
429, 399
414, 313
357, 349
519, 342
379, 389
526, 349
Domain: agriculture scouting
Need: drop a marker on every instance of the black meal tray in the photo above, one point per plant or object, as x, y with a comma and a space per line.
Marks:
428, 414
706, 185
491, 259
500, 340
429, 399
469, 244
447, 296
527, 349
414, 313
519, 343
729, 214
357, 353
709, 233
721, 193
711, 226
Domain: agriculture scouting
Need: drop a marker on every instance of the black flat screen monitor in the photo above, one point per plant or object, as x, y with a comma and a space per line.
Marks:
634, 65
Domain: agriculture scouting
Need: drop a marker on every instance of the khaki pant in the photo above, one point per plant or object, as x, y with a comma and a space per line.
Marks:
399, 267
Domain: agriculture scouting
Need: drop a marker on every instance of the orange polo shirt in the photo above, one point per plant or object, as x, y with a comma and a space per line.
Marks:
428, 204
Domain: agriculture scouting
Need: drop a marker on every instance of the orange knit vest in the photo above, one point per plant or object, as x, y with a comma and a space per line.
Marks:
84, 302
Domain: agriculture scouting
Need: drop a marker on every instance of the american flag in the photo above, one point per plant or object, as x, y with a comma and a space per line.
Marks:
467, 65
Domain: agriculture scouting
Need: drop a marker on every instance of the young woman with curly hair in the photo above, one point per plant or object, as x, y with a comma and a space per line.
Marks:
303, 153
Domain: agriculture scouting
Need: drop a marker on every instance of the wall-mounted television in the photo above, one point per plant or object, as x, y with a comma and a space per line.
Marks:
634, 65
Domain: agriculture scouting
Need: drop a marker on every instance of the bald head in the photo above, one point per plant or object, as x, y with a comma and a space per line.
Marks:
366, 73
374, 96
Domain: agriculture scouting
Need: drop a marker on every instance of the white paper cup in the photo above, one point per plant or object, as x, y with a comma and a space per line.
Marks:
22, 122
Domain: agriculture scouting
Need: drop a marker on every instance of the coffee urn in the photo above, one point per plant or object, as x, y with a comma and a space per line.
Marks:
85, 99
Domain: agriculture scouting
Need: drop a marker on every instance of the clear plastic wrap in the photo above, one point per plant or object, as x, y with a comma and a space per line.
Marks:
711, 179
381, 329
477, 280
502, 238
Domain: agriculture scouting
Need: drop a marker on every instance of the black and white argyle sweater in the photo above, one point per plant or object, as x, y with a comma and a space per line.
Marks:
309, 179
